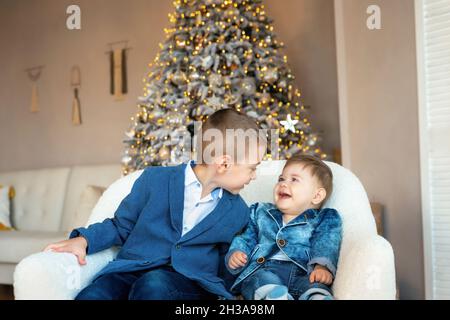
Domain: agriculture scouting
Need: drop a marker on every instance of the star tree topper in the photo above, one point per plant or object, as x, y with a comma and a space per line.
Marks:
289, 124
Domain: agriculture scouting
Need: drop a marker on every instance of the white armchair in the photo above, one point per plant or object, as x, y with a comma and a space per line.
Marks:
366, 264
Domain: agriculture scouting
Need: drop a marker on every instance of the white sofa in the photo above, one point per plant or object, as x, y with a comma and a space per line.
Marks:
366, 263
44, 207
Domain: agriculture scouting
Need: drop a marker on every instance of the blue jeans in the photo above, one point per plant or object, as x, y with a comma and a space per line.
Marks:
163, 283
283, 273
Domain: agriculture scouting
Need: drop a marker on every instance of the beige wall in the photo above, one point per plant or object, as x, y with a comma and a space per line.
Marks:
34, 33
307, 29
382, 106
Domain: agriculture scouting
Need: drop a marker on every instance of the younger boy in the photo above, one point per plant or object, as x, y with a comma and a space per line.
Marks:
290, 249
176, 223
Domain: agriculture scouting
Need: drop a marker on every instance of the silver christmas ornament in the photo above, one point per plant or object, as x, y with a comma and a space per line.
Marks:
282, 84
271, 75
174, 118
164, 153
215, 102
207, 62
194, 76
265, 98
126, 159
232, 98
178, 78
215, 80
130, 134
248, 86
312, 140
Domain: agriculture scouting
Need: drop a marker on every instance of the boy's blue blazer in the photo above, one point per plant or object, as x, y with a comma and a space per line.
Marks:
147, 225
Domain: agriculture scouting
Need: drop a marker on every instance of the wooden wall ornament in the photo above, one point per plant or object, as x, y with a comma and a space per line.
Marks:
75, 82
34, 73
118, 68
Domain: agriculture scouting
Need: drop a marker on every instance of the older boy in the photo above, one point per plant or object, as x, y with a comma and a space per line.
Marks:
176, 224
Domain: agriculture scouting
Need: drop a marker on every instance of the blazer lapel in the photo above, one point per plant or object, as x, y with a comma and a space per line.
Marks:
276, 216
211, 219
176, 197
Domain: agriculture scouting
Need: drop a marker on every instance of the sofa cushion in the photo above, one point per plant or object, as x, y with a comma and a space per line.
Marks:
16, 245
80, 177
88, 200
5, 208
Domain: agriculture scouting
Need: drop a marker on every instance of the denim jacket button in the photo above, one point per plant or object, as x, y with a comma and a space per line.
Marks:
281, 242
261, 260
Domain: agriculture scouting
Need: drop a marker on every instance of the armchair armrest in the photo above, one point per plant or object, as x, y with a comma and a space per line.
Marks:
366, 271
56, 276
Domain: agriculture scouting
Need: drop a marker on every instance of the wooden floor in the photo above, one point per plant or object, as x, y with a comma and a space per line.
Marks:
6, 292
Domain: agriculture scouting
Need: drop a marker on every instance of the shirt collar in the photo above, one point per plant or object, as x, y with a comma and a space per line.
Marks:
217, 193
190, 175
191, 178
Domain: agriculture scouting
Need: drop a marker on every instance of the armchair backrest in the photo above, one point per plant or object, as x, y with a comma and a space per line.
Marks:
348, 197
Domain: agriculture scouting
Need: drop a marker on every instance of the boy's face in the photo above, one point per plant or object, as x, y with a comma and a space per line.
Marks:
297, 190
237, 175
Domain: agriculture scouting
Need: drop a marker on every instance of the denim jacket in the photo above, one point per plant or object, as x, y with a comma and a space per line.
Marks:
314, 237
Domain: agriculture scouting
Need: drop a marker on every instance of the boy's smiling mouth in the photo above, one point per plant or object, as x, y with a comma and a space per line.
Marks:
283, 195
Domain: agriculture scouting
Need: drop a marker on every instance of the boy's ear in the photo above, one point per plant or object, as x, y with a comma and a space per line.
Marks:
321, 193
223, 163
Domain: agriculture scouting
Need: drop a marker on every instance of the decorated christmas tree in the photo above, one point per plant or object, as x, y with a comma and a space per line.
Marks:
217, 54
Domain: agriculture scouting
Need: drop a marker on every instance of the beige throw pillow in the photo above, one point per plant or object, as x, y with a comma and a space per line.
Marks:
6, 194
88, 200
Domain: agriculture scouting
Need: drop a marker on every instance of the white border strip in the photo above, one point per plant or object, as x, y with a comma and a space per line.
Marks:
424, 151
342, 82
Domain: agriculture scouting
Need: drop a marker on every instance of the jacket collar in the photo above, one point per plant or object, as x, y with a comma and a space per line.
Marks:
176, 196
304, 217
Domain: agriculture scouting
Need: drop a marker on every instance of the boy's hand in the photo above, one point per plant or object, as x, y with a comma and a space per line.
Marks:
76, 246
321, 274
237, 259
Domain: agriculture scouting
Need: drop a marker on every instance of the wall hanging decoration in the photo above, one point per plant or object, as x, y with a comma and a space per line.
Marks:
34, 74
75, 82
118, 68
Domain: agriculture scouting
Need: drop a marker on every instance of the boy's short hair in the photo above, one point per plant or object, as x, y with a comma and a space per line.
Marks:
318, 169
229, 123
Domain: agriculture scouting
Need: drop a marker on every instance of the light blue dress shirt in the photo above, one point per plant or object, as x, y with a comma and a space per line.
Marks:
196, 209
